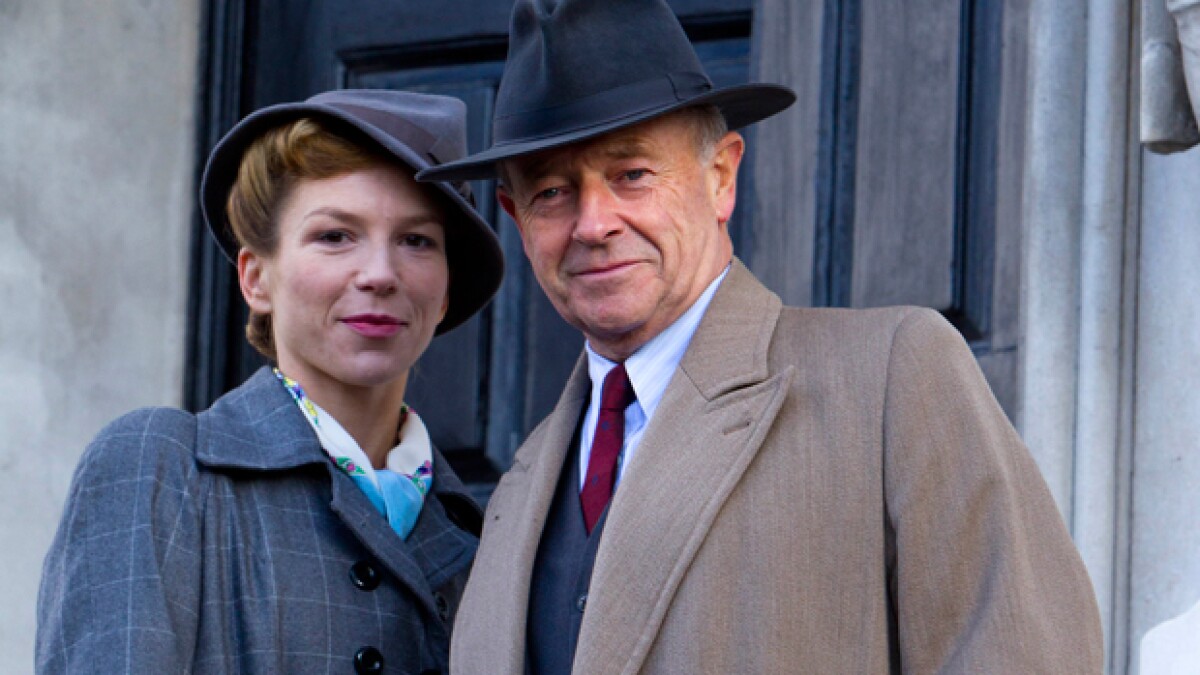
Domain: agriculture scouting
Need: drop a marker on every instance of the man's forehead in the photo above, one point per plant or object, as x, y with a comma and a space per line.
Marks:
641, 140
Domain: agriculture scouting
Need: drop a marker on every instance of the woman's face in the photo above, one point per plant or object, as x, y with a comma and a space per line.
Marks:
358, 282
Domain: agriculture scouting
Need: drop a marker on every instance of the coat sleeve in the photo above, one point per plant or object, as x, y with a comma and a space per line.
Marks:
983, 574
121, 582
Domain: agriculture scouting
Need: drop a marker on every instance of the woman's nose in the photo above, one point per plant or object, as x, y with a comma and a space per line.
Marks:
377, 271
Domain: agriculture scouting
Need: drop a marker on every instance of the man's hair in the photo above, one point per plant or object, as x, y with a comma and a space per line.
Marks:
708, 125
271, 167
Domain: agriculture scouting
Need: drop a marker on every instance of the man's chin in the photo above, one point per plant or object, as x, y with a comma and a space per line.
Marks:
616, 339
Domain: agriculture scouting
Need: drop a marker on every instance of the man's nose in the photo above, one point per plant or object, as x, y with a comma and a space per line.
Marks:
598, 220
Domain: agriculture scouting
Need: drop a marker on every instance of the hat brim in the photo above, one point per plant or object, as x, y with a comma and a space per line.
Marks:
474, 255
741, 105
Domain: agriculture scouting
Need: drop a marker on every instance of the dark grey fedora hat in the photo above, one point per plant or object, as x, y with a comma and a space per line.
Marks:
419, 130
580, 68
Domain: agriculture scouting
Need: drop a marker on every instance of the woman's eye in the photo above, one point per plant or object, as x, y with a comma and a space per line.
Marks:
419, 241
332, 237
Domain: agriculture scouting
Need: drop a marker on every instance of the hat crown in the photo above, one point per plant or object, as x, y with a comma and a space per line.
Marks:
562, 52
578, 69
432, 126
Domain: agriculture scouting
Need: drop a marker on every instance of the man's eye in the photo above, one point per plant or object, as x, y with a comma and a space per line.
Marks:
634, 174
548, 193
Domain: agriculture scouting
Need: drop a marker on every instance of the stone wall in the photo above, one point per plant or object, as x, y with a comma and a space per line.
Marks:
96, 182
1165, 565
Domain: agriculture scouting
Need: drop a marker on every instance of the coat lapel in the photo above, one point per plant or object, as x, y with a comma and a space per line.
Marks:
711, 422
258, 427
490, 636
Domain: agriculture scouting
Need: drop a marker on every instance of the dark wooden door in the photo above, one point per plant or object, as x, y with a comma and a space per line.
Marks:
483, 386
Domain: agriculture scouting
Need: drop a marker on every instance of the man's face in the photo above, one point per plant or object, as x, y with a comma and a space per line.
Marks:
624, 232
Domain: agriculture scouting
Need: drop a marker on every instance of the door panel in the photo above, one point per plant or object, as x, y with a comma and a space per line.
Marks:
904, 216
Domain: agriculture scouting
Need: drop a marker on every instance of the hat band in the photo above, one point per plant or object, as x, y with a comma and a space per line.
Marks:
602, 108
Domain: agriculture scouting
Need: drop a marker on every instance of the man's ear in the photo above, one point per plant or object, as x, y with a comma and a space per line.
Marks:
254, 279
726, 158
509, 205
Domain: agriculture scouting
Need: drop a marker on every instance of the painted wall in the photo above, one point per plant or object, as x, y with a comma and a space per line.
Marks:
96, 174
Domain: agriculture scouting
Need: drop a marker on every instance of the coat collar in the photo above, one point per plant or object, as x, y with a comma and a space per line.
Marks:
258, 427
731, 345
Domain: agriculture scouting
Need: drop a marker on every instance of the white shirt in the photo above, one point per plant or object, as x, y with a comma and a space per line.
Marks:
650, 369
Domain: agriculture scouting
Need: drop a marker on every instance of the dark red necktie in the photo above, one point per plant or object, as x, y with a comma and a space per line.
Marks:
615, 396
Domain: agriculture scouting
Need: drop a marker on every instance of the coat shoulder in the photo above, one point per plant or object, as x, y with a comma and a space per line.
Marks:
164, 437
878, 323
850, 337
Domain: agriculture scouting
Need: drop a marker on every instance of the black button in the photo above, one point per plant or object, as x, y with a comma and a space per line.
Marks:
364, 575
368, 660
581, 602
443, 607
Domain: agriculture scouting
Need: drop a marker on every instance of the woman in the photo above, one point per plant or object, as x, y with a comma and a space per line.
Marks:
304, 522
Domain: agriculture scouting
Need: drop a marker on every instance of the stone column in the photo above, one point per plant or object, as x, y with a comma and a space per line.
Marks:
1078, 280
1166, 492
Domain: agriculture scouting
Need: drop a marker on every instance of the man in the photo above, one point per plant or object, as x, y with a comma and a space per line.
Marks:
792, 490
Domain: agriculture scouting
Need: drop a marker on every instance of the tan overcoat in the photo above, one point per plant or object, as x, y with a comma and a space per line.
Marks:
819, 491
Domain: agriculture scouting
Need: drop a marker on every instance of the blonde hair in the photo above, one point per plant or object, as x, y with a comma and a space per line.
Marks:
270, 169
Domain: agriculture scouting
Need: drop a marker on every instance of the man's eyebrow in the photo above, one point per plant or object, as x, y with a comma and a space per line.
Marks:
626, 148
540, 165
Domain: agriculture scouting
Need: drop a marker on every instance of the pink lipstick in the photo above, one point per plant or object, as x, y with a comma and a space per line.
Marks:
373, 325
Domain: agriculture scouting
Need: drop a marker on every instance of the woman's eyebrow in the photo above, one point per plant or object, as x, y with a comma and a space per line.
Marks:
334, 213
351, 218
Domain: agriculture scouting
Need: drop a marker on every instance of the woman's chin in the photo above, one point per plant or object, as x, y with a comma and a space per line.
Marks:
371, 373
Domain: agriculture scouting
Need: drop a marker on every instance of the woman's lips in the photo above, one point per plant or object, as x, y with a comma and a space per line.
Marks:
373, 325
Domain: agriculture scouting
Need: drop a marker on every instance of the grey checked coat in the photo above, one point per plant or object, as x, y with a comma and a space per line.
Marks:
227, 542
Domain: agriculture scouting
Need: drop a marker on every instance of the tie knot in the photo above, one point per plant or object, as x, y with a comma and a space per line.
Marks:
617, 393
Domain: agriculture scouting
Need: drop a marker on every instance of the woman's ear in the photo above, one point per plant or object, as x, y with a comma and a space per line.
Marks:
254, 279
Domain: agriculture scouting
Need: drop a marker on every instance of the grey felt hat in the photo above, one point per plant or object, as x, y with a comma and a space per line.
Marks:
577, 69
419, 130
